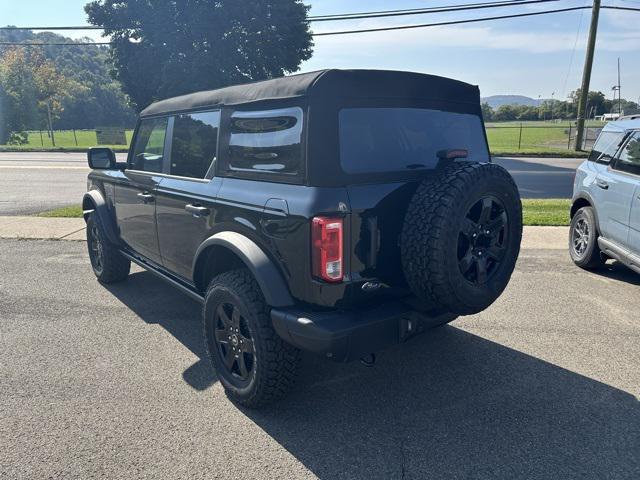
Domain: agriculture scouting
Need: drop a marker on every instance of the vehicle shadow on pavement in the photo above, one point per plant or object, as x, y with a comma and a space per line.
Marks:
450, 404
447, 404
617, 271
155, 302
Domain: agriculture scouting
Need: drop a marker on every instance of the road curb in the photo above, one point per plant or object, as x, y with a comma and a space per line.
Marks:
72, 229
23, 227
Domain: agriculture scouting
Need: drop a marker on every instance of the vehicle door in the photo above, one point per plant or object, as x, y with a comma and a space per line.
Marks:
612, 190
185, 208
627, 163
135, 194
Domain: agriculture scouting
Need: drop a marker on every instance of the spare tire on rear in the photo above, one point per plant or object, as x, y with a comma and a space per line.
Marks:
461, 237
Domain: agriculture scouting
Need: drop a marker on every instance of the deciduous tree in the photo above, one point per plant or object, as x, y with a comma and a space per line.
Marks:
164, 48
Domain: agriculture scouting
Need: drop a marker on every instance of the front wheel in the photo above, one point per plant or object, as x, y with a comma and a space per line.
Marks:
253, 364
107, 262
583, 240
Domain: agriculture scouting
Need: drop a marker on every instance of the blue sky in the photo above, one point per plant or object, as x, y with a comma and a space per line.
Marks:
534, 56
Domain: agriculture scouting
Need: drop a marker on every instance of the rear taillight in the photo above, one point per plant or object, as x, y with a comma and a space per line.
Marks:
326, 249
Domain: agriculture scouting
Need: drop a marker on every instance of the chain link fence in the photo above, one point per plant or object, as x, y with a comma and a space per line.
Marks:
81, 138
525, 137
532, 138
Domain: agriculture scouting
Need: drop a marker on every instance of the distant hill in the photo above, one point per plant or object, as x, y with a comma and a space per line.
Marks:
99, 100
496, 101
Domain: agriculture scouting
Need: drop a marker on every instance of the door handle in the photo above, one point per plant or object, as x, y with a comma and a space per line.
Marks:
602, 184
197, 210
146, 197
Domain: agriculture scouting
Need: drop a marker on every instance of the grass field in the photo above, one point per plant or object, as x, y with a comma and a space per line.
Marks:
504, 138
534, 137
66, 139
550, 212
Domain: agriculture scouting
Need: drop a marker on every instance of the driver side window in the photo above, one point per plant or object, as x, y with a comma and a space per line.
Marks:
148, 150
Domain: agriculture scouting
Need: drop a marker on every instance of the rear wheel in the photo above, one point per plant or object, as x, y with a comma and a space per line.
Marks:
107, 262
252, 362
583, 240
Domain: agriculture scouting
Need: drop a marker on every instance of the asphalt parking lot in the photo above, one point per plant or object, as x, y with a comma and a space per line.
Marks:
110, 382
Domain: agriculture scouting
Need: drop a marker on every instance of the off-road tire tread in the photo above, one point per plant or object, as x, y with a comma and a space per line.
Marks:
426, 221
281, 360
116, 267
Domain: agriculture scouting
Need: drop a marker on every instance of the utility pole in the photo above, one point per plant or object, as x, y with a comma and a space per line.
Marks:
586, 74
619, 90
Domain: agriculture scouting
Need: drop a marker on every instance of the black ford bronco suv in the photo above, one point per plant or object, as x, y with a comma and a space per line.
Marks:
337, 212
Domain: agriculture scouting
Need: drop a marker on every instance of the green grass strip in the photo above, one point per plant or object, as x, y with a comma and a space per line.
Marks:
546, 212
74, 211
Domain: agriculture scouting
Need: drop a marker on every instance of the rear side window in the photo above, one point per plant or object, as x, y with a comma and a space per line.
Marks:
267, 141
148, 150
629, 158
394, 139
605, 147
194, 145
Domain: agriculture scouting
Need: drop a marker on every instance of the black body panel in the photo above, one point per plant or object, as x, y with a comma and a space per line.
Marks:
188, 230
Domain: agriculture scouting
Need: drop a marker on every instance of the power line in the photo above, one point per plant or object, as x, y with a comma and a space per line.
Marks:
421, 9
456, 8
380, 29
630, 9
452, 22
573, 52
345, 16
45, 44
74, 27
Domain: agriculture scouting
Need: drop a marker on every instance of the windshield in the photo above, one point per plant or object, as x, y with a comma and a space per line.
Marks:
393, 139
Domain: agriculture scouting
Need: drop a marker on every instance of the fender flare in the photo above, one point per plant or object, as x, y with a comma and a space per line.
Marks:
586, 197
94, 198
270, 280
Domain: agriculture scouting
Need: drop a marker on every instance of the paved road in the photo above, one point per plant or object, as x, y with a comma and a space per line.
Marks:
542, 177
33, 182
110, 382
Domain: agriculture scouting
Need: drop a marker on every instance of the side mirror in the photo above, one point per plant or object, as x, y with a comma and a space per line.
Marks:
101, 158
453, 154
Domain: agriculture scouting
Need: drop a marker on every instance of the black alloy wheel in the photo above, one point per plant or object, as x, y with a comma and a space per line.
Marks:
234, 342
482, 239
96, 249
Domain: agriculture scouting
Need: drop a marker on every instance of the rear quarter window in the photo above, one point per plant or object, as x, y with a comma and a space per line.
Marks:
266, 141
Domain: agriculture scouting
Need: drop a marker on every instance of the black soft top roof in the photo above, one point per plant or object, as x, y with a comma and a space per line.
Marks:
327, 84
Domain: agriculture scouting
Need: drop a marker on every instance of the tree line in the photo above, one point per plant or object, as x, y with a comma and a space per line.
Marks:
170, 50
156, 53
71, 84
597, 104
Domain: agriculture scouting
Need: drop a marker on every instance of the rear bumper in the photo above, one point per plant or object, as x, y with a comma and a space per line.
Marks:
345, 336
